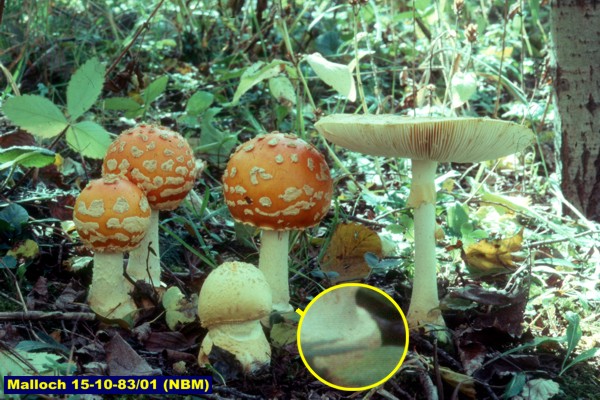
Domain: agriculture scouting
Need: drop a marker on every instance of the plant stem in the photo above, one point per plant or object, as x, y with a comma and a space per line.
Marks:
144, 261
273, 262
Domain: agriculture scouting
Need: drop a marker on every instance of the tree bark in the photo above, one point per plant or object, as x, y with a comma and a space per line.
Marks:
576, 36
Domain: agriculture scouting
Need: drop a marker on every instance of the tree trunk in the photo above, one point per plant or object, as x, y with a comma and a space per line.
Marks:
576, 34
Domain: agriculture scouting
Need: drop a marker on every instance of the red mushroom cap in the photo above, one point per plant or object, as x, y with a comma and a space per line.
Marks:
279, 182
158, 160
111, 214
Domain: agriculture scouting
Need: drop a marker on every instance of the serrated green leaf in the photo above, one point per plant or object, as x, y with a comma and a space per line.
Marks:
88, 138
155, 89
255, 74
85, 87
540, 389
282, 89
122, 104
35, 114
464, 85
199, 102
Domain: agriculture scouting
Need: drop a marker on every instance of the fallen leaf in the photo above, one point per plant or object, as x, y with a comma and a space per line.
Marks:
177, 308
345, 254
122, 360
283, 334
493, 256
25, 249
466, 384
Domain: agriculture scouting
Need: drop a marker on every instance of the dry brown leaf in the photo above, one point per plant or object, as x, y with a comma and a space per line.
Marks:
492, 256
346, 252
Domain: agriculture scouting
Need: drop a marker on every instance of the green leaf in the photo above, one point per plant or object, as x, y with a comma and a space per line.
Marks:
199, 102
88, 138
27, 156
216, 143
155, 89
85, 87
8, 262
15, 216
515, 386
457, 216
122, 104
573, 333
35, 114
586, 355
464, 85
338, 76
540, 389
255, 74
282, 89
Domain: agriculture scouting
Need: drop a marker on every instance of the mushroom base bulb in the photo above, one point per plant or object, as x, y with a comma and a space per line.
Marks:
246, 341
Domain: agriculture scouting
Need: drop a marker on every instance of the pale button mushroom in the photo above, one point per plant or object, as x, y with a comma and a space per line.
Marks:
160, 162
277, 182
111, 215
426, 141
232, 300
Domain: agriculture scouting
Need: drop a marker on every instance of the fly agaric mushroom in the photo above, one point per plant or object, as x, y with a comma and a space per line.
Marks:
426, 141
111, 216
277, 182
161, 163
232, 300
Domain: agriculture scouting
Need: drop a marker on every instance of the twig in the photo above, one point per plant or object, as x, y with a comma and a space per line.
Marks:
565, 239
139, 31
436, 371
46, 315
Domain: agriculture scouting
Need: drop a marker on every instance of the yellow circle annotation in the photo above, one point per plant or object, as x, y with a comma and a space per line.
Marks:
302, 314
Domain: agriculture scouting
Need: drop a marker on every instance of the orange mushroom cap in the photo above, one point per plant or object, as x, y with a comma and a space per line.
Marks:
278, 182
158, 160
111, 214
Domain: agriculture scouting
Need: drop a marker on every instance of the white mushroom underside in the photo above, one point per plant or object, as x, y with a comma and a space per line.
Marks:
423, 138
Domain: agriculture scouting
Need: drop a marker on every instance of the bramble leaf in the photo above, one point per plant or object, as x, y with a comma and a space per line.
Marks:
85, 87
35, 114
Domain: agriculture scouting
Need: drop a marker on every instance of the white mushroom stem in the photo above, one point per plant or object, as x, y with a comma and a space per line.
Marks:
109, 292
245, 340
144, 264
273, 263
424, 302
336, 324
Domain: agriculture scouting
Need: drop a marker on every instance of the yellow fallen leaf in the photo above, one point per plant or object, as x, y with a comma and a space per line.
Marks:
346, 252
467, 383
26, 249
492, 256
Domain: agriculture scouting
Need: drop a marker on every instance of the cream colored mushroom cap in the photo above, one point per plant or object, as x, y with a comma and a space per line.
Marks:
234, 292
458, 139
